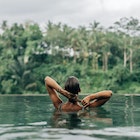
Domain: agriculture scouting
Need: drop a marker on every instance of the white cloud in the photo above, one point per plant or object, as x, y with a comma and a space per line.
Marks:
71, 12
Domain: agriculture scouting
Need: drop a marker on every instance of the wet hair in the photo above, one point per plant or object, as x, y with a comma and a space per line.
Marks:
72, 85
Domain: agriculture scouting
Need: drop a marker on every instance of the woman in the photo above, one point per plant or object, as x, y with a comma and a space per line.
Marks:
71, 90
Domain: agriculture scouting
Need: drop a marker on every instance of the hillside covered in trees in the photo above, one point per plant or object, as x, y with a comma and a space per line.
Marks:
101, 58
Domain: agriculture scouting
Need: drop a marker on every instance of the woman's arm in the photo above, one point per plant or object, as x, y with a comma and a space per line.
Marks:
52, 86
97, 99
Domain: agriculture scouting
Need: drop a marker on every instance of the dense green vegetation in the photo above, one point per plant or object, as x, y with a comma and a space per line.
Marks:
101, 58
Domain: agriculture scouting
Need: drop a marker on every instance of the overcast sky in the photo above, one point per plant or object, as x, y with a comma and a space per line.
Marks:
70, 12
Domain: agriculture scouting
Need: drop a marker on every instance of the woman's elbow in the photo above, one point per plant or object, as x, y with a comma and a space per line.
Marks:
109, 93
46, 79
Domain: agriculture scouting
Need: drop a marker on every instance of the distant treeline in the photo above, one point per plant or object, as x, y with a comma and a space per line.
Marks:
102, 58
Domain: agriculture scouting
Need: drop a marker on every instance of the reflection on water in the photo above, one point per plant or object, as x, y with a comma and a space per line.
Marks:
34, 118
82, 119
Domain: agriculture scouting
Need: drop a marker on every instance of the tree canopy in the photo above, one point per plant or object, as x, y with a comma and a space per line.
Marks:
102, 58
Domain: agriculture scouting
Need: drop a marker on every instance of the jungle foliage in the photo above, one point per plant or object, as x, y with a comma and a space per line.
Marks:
101, 58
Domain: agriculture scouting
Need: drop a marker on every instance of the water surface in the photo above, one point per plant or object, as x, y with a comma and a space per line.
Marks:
34, 118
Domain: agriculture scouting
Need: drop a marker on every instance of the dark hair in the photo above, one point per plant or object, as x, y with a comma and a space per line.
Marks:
72, 85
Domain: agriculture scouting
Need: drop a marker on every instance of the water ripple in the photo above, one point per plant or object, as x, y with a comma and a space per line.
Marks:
37, 131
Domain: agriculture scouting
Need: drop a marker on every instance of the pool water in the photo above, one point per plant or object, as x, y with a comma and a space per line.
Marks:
34, 118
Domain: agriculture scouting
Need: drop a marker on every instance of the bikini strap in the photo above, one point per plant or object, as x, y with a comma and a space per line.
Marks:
83, 108
60, 107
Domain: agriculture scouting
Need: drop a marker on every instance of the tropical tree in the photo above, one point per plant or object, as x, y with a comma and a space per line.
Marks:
130, 28
93, 43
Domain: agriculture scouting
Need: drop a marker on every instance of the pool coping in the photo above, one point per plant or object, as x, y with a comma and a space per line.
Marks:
135, 94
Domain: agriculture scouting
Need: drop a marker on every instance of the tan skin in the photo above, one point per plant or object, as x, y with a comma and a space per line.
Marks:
92, 100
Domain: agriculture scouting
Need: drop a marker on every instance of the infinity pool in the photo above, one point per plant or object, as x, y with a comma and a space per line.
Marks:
34, 118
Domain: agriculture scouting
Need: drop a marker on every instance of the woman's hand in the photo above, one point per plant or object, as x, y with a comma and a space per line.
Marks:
68, 94
73, 97
86, 101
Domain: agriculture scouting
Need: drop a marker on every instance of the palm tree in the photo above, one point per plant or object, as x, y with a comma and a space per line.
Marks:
93, 43
21, 75
75, 43
129, 28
